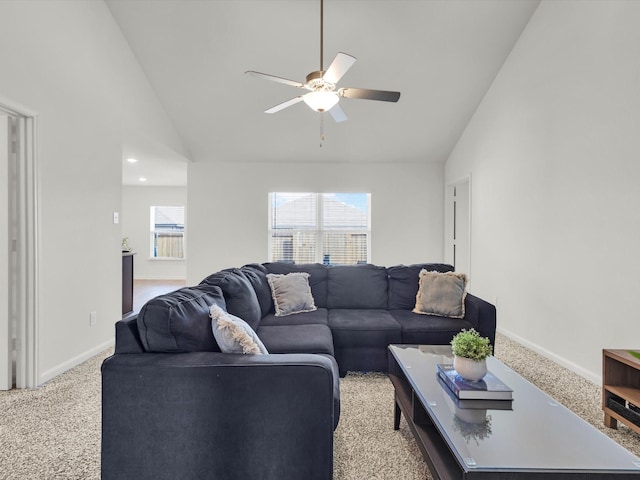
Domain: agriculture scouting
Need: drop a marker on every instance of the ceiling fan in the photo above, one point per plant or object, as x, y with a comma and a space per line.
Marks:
322, 95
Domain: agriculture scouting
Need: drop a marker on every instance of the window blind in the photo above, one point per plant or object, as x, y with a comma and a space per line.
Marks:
329, 228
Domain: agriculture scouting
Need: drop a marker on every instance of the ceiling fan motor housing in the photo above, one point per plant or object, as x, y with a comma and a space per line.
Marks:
316, 82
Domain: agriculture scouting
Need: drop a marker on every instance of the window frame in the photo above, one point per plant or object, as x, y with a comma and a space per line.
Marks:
153, 232
319, 231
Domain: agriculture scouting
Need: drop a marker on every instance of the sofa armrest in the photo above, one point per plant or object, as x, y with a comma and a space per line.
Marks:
127, 336
483, 315
212, 415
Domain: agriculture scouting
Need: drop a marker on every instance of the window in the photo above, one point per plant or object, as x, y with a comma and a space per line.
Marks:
329, 228
167, 232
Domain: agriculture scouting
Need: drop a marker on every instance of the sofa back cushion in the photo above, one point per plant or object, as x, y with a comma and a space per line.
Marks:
357, 286
404, 280
257, 276
239, 295
179, 321
317, 277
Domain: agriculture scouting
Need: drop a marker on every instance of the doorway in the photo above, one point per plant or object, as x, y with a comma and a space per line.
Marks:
458, 226
18, 247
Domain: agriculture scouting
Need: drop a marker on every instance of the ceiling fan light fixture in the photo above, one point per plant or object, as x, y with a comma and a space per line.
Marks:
321, 101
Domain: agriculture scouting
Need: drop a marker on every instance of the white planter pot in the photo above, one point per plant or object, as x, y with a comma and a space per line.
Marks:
470, 369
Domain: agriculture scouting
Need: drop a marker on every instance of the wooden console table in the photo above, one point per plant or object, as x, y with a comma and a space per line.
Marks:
621, 389
127, 282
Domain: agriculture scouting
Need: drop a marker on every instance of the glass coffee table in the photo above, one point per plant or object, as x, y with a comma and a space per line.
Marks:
532, 437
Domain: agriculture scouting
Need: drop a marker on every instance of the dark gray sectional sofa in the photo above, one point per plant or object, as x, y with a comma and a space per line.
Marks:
174, 406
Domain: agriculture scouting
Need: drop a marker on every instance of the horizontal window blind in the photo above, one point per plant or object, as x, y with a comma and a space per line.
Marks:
329, 228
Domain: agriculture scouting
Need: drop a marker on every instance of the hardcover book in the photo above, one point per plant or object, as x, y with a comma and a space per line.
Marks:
489, 388
473, 404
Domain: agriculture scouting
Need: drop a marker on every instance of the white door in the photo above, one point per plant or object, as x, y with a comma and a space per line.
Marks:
6, 363
459, 226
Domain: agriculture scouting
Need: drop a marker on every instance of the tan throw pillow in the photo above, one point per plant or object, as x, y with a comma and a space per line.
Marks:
441, 294
233, 334
291, 293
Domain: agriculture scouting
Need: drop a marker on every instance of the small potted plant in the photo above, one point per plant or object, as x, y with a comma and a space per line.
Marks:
470, 352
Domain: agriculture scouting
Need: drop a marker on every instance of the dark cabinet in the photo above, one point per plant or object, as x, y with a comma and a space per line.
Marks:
127, 282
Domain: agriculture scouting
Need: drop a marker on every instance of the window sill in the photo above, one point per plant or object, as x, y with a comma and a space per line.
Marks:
166, 259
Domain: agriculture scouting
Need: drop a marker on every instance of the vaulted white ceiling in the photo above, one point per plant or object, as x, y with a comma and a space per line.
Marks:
442, 55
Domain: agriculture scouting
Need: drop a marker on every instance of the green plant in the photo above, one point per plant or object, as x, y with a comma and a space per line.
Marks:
634, 353
469, 344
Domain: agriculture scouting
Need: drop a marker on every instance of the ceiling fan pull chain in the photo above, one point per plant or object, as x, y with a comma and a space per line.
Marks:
322, 137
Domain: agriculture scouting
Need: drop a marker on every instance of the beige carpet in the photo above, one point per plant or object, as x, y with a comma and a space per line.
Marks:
53, 432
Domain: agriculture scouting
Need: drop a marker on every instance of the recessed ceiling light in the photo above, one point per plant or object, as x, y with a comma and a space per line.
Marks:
143, 179
132, 160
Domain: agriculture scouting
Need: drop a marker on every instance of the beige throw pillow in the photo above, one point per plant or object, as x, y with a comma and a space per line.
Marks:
233, 334
441, 294
291, 293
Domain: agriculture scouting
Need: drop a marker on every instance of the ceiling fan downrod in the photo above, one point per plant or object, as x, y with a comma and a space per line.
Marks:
322, 36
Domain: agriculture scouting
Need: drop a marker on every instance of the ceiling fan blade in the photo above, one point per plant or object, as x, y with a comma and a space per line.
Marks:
273, 78
338, 114
284, 105
366, 94
338, 67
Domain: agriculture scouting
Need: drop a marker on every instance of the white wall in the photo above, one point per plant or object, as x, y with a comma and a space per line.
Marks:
228, 208
136, 205
68, 62
553, 150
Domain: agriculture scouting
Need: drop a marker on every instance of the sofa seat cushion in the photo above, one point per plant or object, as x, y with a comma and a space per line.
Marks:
421, 329
357, 286
297, 338
356, 328
317, 317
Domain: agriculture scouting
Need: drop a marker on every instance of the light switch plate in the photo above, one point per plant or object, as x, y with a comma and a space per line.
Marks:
116, 217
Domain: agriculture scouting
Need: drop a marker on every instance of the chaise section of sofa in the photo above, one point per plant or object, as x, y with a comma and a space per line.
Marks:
202, 415
174, 406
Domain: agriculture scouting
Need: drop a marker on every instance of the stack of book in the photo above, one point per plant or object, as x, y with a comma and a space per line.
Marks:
489, 389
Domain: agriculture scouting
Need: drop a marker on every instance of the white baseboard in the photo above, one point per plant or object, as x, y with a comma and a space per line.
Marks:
74, 362
592, 377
